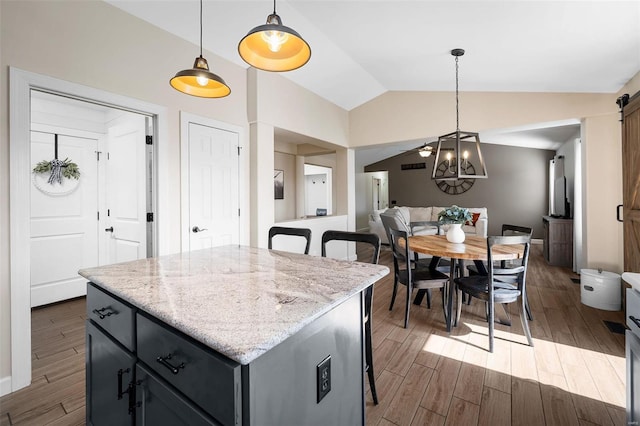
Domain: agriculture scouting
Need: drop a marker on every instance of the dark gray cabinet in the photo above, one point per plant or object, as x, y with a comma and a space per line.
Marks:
158, 403
110, 370
165, 377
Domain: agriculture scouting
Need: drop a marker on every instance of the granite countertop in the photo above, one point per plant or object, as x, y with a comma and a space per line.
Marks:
240, 301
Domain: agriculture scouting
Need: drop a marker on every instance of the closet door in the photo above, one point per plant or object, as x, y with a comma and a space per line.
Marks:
631, 183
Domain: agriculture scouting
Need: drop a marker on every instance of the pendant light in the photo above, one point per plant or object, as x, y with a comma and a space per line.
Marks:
274, 47
460, 149
199, 81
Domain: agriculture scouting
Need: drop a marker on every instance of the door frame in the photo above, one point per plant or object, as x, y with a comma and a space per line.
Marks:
20, 84
185, 119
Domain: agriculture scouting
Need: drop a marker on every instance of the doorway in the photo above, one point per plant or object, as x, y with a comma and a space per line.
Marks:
97, 215
21, 83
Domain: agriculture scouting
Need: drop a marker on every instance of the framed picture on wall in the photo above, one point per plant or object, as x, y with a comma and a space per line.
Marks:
278, 184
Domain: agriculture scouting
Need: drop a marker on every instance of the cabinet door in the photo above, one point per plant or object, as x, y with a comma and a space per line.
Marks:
633, 377
110, 369
159, 404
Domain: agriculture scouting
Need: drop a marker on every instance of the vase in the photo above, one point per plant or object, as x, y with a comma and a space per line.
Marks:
455, 234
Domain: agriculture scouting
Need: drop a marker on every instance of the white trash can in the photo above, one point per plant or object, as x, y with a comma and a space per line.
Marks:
600, 289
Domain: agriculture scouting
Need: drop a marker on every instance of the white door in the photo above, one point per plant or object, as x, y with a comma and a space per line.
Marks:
376, 193
125, 226
213, 187
64, 223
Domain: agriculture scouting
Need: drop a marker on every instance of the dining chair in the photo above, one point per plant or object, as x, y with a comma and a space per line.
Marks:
374, 241
491, 289
507, 277
392, 219
296, 232
413, 278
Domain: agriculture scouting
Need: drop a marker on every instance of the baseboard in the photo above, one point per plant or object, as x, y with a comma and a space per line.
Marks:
536, 241
5, 386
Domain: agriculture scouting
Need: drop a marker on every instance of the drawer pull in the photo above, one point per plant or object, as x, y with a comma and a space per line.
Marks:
635, 320
172, 368
120, 391
104, 312
588, 288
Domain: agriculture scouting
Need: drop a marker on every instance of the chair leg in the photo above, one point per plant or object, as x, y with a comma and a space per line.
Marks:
408, 305
491, 308
369, 360
429, 298
526, 305
525, 323
395, 290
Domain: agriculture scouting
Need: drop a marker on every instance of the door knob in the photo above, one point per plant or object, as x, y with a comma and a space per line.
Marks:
196, 229
109, 229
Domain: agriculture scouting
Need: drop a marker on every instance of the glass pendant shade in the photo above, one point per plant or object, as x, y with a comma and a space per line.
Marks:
199, 81
274, 47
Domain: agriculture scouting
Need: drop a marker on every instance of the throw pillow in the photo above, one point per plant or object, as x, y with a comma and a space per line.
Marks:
474, 219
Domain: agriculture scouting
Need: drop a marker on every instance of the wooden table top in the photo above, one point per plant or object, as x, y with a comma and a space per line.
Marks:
473, 248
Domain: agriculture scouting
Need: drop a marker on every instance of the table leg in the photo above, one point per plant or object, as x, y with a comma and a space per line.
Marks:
449, 291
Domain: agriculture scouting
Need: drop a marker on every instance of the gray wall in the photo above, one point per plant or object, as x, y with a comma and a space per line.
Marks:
516, 191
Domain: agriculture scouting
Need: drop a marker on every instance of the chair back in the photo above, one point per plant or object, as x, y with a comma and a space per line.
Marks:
297, 232
516, 230
508, 240
392, 219
356, 237
401, 259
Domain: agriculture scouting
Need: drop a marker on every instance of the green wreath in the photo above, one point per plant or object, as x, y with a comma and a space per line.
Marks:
58, 169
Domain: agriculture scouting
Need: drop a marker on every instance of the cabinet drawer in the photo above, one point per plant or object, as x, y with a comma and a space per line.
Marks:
112, 314
209, 379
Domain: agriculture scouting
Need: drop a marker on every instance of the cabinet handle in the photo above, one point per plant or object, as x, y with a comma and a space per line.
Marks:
120, 391
618, 216
635, 320
172, 368
104, 312
133, 404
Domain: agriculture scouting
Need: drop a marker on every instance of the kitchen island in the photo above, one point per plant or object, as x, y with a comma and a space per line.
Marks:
228, 335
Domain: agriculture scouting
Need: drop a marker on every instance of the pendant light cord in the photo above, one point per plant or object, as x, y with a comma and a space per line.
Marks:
201, 28
274, 7
457, 110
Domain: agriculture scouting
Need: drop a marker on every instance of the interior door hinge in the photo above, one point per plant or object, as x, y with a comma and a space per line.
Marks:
149, 140
98, 215
149, 217
238, 151
238, 212
98, 155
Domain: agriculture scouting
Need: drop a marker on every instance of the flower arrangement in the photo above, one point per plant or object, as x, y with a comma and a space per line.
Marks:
454, 214
58, 169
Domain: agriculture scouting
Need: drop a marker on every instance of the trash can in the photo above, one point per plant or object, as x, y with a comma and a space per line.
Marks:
600, 289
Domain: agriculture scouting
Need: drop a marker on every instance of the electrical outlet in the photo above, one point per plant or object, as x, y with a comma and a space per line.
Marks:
323, 376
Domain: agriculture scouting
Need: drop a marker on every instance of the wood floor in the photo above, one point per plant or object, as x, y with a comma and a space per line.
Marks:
574, 375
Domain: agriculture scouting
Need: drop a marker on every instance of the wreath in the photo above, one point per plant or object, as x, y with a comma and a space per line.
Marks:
58, 169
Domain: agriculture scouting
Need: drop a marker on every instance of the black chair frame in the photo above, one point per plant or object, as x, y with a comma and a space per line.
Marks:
297, 232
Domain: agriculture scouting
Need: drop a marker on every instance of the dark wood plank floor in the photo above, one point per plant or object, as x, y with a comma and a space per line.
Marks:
574, 375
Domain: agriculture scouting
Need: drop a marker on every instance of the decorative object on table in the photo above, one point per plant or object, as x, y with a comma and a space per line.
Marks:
455, 216
56, 177
199, 81
452, 144
278, 184
274, 47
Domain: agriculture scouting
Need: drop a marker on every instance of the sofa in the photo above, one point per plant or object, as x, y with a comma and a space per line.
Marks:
411, 215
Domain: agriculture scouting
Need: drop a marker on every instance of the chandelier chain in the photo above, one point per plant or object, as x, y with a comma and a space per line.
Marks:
200, 28
457, 109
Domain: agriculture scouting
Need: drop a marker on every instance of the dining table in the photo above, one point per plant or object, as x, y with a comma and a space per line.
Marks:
474, 248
